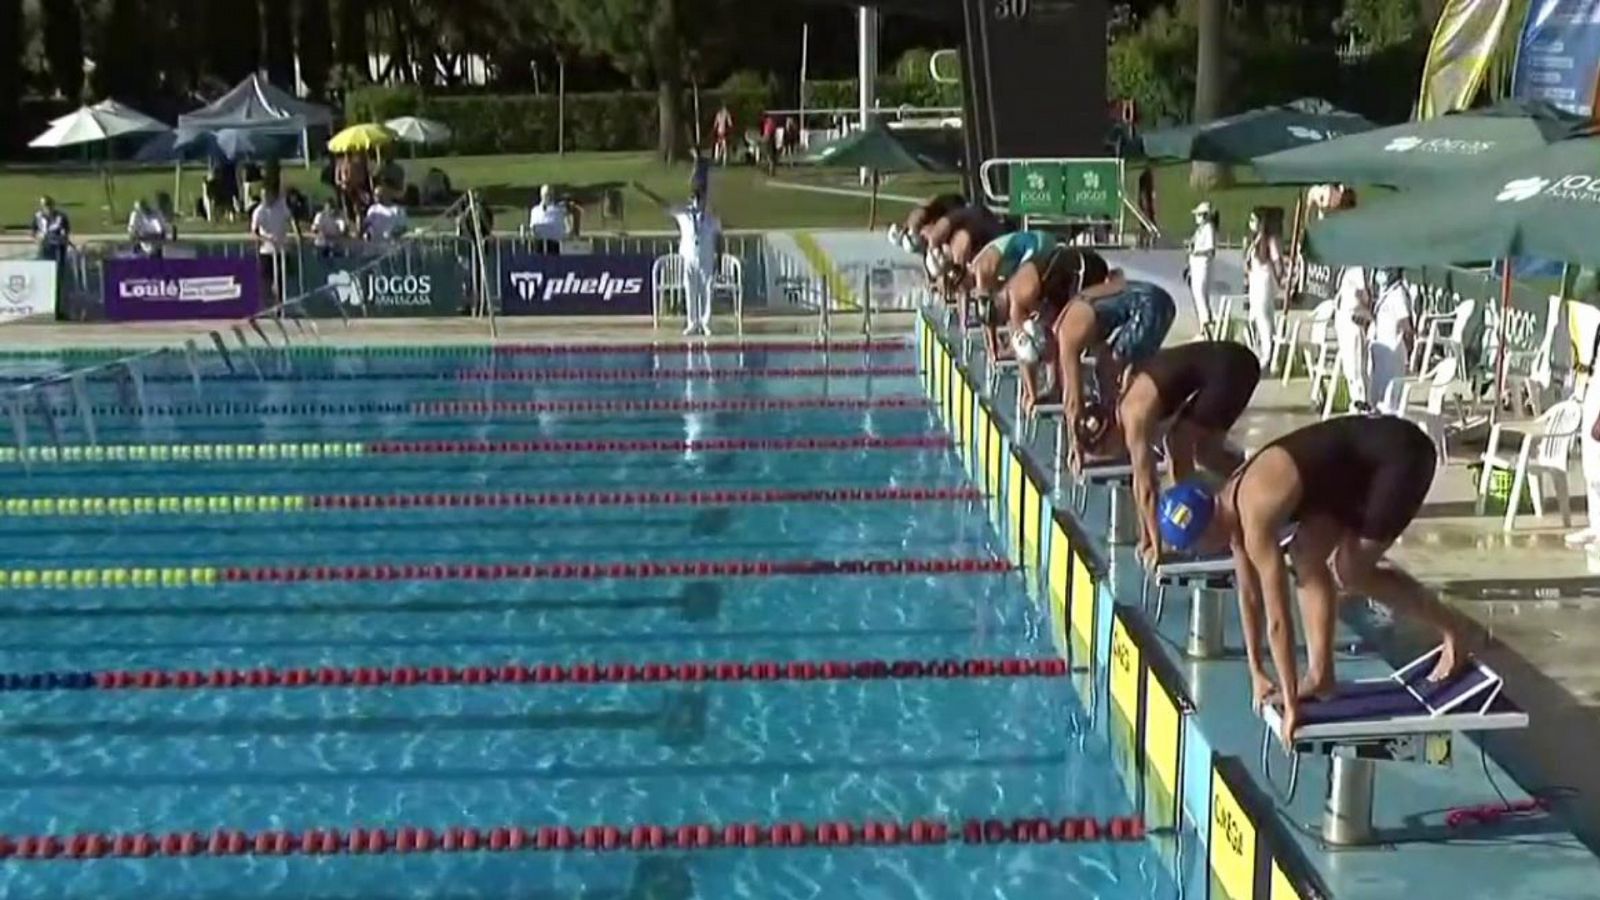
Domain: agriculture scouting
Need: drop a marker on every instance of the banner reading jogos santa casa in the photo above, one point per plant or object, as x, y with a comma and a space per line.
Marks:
164, 290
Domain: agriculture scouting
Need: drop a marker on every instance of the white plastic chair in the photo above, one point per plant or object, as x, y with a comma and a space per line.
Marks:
1530, 373
671, 287
1319, 351
1285, 336
1444, 334
1444, 384
730, 279
1221, 325
1541, 459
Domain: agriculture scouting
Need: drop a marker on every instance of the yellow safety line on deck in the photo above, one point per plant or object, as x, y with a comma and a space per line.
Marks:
146, 506
823, 265
182, 452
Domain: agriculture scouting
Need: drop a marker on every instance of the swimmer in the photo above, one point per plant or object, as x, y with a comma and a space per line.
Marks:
1119, 322
1187, 396
991, 274
910, 236
1351, 485
1040, 292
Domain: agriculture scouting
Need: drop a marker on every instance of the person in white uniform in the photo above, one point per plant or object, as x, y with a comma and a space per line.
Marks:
1352, 314
1202, 250
1392, 334
1263, 263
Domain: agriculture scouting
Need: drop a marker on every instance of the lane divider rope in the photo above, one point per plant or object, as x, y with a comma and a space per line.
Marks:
195, 505
434, 350
353, 449
540, 674
211, 576
482, 407
521, 375
406, 839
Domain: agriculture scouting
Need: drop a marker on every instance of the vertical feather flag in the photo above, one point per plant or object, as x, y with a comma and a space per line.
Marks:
1458, 58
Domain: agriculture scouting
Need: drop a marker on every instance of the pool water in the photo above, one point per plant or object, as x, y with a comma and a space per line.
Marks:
437, 756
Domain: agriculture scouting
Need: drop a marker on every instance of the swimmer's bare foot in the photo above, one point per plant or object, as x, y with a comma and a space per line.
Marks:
1451, 659
1317, 686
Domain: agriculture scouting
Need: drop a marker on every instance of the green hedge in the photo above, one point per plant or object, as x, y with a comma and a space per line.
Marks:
526, 123
846, 94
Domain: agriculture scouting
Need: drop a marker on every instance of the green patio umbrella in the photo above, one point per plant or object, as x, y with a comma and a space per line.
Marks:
1543, 203
1416, 153
1240, 138
878, 150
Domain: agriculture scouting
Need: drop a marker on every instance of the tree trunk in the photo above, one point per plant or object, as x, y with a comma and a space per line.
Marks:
279, 20
315, 40
668, 89
1210, 86
63, 47
11, 73
353, 51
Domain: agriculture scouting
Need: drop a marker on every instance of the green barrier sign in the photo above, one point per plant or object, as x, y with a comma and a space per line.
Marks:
1081, 189
396, 288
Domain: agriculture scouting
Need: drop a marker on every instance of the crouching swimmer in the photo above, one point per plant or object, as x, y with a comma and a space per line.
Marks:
1119, 323
1351, 485
1187, 397
1037, 297
991, 274
912, 235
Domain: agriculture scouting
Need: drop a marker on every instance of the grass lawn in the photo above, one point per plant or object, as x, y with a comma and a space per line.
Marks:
742, 196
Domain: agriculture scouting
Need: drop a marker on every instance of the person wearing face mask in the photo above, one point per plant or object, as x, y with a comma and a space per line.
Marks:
1392, 334
1202, 250
1351, 319
1263, 264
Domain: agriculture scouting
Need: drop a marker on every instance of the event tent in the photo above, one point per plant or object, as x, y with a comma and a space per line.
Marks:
256, 103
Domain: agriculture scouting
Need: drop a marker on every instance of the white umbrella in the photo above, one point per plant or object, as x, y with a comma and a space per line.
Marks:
93, 124
413, 130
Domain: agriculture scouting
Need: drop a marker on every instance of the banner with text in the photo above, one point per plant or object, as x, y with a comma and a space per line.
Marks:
577, 285
1558, 54
154, 290
27, 288
391, 288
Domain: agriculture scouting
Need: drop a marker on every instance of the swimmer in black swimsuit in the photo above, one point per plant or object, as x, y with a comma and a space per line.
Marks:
1040, 292
1188, 396
1351, 485
912, 236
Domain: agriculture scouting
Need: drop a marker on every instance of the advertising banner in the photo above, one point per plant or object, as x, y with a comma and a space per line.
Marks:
1558, 54
577, 285
1458, 57
1079, 189
399, 288
27, 288
155, 290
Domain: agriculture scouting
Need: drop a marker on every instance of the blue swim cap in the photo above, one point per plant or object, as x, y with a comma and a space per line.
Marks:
1185, 511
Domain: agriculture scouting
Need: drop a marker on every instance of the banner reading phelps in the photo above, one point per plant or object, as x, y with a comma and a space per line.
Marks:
577, 286
164, 290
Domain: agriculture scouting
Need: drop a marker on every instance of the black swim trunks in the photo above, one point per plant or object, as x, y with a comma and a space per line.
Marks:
1207, 383
1371, 474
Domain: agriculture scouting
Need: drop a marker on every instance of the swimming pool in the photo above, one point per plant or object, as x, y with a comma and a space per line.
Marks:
351, 587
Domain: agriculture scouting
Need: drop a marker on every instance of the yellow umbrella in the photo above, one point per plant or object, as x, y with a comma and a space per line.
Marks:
358, 138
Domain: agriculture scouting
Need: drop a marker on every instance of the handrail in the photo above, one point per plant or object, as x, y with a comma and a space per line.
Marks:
933, 67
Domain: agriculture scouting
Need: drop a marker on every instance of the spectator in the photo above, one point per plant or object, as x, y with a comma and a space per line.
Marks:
700, 180
1202, 250
1147, 203
1352, 315
329, 229
769, 143
722, 132
147, 229
1392, 334
385, 220
547, 222
270, 224
791, 136
52, 231
1264, 274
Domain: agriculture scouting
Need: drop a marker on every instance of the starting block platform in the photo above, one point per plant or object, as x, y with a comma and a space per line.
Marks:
1401, 718
1211, 579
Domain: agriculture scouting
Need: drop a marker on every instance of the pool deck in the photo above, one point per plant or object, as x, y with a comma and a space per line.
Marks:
1537, 601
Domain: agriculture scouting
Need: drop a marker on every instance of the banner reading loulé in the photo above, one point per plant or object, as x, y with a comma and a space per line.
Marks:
619, 285
157, 290
1558, 54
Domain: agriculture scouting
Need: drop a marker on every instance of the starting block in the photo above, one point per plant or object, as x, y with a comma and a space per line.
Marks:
1211, 579
1401, 718
1116, 476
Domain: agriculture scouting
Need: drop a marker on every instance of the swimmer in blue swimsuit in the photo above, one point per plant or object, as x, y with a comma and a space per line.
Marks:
1118, 322
990, 276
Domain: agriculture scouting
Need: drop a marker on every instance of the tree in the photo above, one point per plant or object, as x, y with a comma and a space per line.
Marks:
315, 40
1210, 83
232, 36
642, 39
10, 58
63, 47
354, 52
279, 22
123, 67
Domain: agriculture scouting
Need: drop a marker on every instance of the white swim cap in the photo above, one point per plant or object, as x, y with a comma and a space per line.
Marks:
897, 235
1024, 346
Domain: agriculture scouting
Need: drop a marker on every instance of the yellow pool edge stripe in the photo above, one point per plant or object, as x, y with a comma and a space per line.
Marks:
166, 505
185, 452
